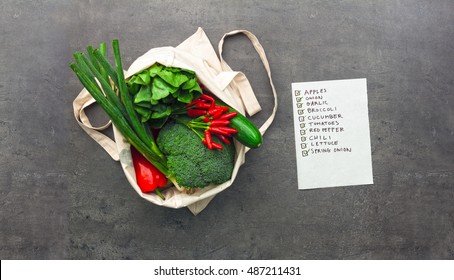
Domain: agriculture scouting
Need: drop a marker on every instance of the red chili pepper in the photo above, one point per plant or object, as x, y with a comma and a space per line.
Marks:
194, 102
206, 119
148, 177
218, 130
217, 146
196, 112
217, 115
219, 122
224, 130
224, 108
207, 97
228, 116
214, 111
202, 105
209, 140
229, 129
223, 138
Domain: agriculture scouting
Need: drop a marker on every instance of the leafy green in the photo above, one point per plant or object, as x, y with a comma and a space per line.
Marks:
190, 84
143, 95
185, 97
155, 69
146, 114
174, 78
161, 111
145, 77
160, 90
138, 80
144, 105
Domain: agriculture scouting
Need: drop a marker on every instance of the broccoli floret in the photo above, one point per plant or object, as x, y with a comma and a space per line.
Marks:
191, 163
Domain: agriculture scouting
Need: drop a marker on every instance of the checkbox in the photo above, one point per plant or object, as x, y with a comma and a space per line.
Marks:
303, 146
302, 125
301, 119
299, 105
297, 92
300, 112
303, 132
298, 99
305, 153
303, 139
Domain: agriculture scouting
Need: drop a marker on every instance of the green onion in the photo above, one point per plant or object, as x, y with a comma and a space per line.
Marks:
103, 49
142, 130
121, 112
106, 66
81, 59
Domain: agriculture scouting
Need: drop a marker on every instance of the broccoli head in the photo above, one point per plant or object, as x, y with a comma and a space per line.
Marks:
189, 161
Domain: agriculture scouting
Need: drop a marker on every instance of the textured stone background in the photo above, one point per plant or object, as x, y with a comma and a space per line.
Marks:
62, 197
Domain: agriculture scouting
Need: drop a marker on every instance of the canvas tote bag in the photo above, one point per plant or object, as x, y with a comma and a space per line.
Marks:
195, 53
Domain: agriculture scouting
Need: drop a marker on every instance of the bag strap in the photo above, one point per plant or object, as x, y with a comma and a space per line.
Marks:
82, 101
247, 94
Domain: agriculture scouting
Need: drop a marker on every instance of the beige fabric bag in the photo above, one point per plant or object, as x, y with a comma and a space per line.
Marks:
195, 53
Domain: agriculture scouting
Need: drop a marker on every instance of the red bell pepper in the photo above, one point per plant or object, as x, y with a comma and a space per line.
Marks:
148, 177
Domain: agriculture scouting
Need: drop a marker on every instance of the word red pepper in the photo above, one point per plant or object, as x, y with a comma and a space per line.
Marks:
148, 177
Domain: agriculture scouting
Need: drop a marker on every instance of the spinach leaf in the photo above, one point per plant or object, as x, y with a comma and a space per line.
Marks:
144, 95
173, 77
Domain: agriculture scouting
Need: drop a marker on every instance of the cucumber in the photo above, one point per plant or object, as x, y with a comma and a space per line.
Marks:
248, 134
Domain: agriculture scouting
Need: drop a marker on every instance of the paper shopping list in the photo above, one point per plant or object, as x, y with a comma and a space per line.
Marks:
332, 135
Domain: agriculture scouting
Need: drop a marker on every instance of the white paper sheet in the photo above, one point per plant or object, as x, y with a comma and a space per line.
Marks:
332, 135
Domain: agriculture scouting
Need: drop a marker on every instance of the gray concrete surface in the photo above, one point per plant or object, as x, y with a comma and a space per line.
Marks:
62, 197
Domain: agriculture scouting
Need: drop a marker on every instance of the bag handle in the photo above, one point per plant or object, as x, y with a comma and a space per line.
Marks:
247, 95
82, 101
